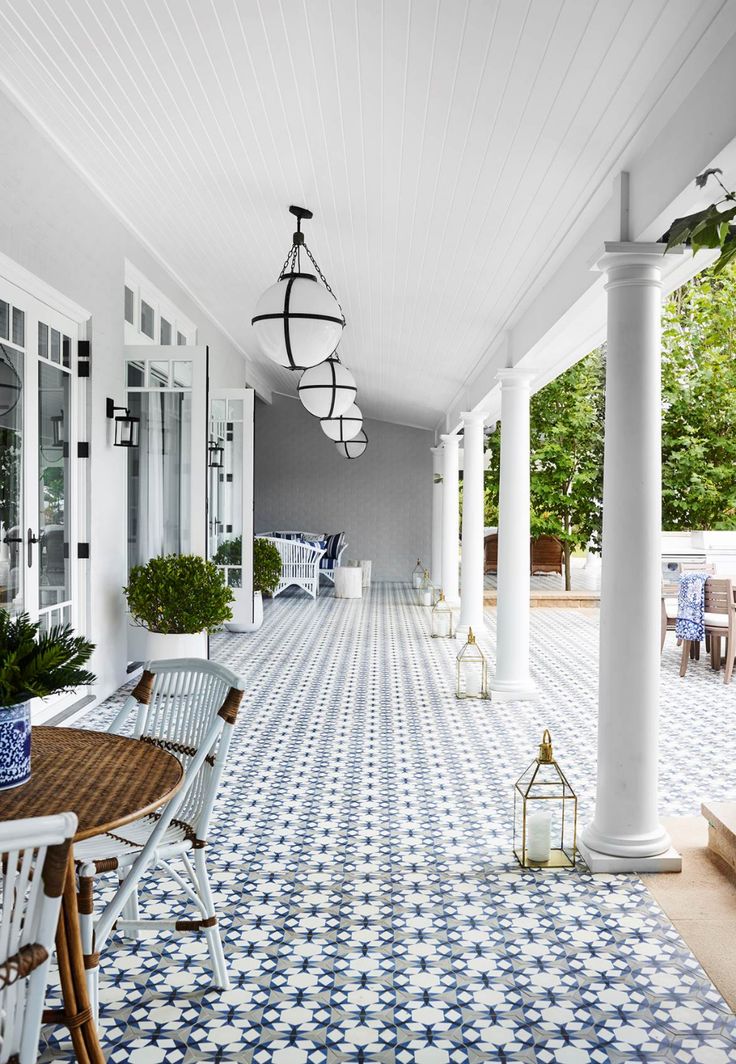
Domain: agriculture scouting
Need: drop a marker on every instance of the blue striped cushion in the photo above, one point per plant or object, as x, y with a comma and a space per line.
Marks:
334, 543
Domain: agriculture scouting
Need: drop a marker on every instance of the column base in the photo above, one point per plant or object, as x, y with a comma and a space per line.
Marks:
513, 690
598, 863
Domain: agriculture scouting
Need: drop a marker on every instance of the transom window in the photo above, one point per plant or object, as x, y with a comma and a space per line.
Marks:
150, 317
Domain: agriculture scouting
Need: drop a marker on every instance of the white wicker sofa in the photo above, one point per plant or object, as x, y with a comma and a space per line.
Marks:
299, 564
334, 547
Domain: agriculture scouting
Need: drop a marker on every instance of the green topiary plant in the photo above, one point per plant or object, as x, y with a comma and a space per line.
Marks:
35, 665
177, 594
266, 566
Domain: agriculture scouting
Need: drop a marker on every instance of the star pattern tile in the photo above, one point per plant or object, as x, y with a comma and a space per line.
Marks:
361, 861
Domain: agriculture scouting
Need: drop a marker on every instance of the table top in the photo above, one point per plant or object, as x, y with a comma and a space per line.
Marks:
107, 780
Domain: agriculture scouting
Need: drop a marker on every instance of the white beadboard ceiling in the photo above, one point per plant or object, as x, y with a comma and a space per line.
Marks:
446, 147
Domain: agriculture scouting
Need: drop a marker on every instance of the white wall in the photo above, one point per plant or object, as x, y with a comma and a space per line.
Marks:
382, 500
55, 226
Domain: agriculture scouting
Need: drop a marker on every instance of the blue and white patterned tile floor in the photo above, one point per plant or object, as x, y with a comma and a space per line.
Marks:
361, 859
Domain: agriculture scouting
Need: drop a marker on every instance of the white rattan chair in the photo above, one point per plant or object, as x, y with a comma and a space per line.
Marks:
34, 860
299, 565
188, 707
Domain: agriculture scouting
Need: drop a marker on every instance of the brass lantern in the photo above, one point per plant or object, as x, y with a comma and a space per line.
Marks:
417, 575
443, 622
471, 670
545, 814
426, 590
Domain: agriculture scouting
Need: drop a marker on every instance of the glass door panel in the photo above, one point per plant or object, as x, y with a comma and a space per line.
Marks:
11, 476
54, 510
167, 472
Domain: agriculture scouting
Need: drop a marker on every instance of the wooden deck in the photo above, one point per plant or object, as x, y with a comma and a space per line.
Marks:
554, 599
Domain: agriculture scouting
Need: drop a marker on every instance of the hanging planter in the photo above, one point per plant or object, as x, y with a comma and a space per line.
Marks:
353, 448
346, 427
298, 321
327, 390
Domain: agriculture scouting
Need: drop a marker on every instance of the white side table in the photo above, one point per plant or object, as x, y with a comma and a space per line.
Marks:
348, 582
366, 567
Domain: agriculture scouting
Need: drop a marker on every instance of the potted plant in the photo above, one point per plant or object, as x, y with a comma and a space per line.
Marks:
32, 665
175, 600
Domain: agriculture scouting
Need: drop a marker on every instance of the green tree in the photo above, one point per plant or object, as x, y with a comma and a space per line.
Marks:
699, 403
566, 459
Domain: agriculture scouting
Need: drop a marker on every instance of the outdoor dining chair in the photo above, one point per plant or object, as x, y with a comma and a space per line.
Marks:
34, 860
720, 623
188, 707
670, 589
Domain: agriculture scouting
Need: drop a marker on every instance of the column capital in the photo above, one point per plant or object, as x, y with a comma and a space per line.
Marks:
449, 437
515, 378
633, 253
471, 416
438, 449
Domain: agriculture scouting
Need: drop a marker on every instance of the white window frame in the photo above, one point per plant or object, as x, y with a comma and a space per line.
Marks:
145, 291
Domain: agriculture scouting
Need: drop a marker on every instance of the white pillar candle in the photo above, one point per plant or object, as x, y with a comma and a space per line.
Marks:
538, 836
417, 580
426, 596
442, 624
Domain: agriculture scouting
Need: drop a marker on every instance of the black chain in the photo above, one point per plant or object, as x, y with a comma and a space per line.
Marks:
324, 281
290, 267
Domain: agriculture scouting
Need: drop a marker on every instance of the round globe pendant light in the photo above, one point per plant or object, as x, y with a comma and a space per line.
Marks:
327, 390
345, 427
298, 321
353, 448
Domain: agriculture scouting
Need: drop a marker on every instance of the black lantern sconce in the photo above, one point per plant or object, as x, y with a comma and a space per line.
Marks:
127, 427
57, 429
215, 454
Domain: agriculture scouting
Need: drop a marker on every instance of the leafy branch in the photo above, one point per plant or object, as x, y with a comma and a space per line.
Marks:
710, 228
34, 665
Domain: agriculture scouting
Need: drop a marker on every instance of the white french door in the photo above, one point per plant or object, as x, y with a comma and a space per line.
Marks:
41, 410
230, 490
166, 387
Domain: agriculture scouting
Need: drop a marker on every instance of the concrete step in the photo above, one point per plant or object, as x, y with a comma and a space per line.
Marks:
554, 599
721, 817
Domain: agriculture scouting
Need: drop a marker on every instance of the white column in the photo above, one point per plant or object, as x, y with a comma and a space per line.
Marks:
450, 517
512, 679
626, 834
471, 587
437, 493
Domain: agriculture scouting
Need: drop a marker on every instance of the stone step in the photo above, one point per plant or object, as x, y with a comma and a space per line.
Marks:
721, 817
554, 599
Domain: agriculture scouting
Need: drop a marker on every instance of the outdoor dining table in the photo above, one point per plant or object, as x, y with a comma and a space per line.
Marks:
107, 780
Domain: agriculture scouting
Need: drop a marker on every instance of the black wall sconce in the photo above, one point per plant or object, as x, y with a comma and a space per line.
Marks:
57, 429
127, 427
215, 453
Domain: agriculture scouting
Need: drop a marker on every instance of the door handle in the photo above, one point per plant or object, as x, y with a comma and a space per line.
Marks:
12, 539
30, 540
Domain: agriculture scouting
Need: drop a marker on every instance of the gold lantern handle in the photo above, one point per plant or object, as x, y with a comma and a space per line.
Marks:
545, 749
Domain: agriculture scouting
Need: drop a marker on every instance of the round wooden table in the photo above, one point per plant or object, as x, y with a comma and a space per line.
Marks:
108, 781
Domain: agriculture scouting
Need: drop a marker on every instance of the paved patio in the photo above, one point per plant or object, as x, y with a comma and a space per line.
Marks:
372, 910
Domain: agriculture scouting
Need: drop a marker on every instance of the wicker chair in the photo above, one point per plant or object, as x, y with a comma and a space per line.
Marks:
546, 555
188, 707
34, 861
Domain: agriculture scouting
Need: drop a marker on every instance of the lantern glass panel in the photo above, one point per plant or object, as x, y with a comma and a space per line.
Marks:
417, 575
443, 626
426, 595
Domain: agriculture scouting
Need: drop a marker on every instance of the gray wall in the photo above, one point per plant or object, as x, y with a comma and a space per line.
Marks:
382, 500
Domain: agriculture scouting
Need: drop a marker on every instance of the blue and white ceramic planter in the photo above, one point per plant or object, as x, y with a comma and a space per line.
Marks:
15, 745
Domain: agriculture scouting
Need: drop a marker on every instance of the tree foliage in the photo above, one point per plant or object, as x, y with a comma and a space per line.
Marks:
699, 403
566, 439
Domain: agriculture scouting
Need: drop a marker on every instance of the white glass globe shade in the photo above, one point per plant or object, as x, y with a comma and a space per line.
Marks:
327, 390
353, 448
345, 427
297, 322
